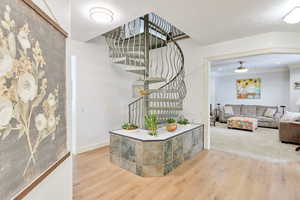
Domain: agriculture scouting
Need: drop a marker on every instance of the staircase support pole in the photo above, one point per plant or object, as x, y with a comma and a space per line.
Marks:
147, 67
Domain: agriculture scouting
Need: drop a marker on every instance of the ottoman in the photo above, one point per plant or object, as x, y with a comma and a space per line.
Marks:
243, 123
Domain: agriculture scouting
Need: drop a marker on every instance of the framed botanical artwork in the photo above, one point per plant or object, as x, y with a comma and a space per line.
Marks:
248, 88
33, 134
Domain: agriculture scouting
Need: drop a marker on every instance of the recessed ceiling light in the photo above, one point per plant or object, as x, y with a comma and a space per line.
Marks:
293, 17
241, 68
101, 15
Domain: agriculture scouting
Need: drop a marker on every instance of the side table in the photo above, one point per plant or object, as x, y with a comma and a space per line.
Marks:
296, 125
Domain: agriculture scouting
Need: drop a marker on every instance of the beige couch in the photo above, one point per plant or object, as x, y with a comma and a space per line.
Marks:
253, 111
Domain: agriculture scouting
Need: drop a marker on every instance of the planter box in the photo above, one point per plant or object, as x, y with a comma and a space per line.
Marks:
149, 156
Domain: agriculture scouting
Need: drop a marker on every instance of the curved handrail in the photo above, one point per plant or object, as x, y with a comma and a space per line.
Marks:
179, 73
182, 57
164, 61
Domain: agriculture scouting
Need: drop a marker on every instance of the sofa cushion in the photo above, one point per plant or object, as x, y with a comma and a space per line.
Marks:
228, 116
248, 110
228, 110
236, 108
265, 119
260, 110
270, 112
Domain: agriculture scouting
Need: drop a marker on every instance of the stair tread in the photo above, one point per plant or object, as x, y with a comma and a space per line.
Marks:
129, 48
136, 46
130, 54
162, 90
121, 58
166, 116
129, 61
126, 64
155, 79
164, 99
136, 70
165, 108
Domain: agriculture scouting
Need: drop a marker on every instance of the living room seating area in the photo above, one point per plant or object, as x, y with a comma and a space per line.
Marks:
267, 116
266, 133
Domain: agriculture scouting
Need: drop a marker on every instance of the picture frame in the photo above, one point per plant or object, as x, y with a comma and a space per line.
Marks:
33, 132
248, 88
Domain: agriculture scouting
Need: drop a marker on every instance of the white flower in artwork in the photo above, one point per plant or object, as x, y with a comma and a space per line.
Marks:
23, 37
12, 45
6, 62
40, 122
6, 111
51, 100
27, 88
51, 122
8, 8
7, 15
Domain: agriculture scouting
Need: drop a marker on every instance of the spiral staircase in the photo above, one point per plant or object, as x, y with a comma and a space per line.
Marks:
147, 47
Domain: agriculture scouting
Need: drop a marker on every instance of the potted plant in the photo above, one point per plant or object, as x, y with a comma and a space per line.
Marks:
129, 127
151, 124
143, 92
171, 125
183, 122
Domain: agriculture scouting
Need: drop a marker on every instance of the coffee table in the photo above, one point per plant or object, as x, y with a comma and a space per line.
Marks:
242, 123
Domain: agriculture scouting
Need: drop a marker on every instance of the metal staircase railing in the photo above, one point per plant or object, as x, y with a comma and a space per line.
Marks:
146, 46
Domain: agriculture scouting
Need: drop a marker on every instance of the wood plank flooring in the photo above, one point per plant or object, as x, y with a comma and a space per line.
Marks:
211, 175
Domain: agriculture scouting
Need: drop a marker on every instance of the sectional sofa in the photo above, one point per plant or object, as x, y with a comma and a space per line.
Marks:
253, 111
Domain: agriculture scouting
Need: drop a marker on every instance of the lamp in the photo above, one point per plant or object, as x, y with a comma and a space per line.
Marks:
218, 111
293, 17
101, 15
283, 109
241, 68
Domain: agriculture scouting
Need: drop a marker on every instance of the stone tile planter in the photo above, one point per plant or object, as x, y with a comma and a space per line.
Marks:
155, 156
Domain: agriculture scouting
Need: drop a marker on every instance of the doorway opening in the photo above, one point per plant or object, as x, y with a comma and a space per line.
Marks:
253, 104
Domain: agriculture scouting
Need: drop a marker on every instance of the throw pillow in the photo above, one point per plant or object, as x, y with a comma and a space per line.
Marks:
228, 110
270, 112
291, 116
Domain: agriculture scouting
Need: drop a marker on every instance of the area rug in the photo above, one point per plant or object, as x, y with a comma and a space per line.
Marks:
263, 144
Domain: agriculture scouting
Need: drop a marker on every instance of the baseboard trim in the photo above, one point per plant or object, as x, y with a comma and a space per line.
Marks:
91, 147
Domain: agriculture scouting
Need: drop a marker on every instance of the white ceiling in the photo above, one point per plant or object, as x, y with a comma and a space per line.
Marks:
259, 63
206, 21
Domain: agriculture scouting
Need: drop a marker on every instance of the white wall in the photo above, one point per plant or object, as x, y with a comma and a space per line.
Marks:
103, 92
58, 185
274, 89
192, 64
294, 93
213, 88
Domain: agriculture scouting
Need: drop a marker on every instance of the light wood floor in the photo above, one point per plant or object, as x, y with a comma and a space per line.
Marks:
211, 175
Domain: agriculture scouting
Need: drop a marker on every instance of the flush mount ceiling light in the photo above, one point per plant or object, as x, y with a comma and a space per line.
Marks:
101, 15
293, 17
241, 68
